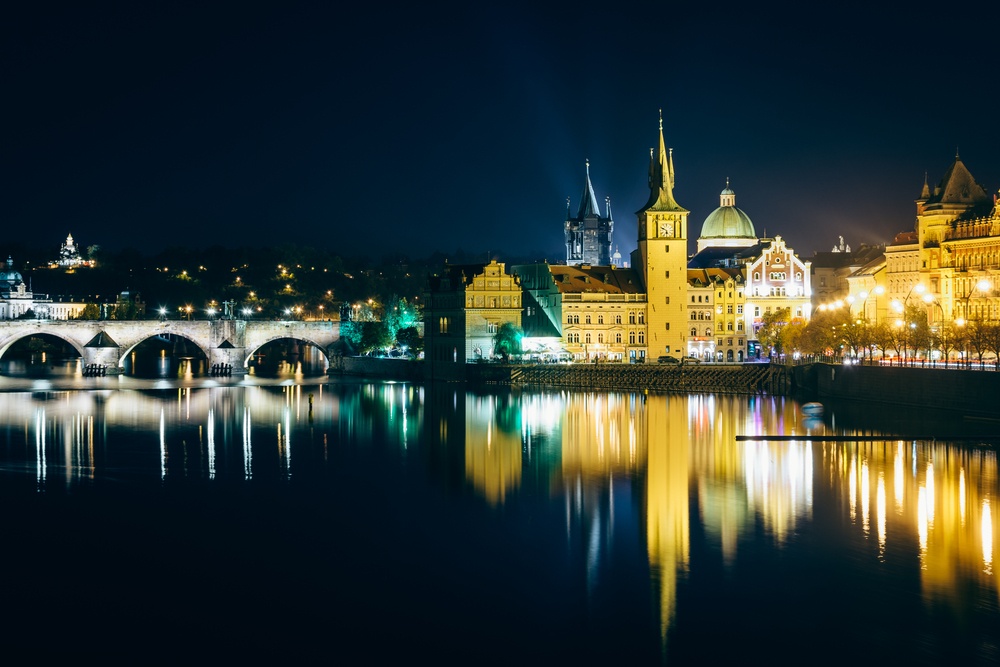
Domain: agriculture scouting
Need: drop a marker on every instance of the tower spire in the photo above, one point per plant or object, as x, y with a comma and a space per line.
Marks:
661, 177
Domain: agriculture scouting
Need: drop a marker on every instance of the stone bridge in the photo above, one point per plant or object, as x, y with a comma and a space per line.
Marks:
108, 342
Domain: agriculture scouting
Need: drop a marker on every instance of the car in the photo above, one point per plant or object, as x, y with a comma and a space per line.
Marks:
690, 360
667, 359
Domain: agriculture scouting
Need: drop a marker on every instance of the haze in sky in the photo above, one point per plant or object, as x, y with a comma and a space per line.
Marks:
407, 128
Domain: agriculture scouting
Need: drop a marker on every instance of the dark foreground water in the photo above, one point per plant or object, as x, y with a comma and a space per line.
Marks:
282, 521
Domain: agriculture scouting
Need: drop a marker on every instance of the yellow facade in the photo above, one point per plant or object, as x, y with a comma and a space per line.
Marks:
492, 298
662, 255
716, 310
603, 313
949, 266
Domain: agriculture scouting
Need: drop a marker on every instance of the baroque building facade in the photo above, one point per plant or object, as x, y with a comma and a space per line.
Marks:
949, 265
463, 308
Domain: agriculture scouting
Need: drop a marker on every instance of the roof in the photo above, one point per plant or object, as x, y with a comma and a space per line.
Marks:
586, 278
706, 277
726, 257
957, 186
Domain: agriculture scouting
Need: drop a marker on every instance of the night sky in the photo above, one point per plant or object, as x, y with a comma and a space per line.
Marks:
380, 128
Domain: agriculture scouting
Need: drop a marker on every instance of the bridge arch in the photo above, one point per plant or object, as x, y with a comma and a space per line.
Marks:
126, 350
250, 352
8, 338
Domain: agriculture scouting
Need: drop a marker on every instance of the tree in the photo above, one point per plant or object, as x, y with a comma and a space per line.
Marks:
769, 333
948, 338
409, 338
507, 341
90, 312
374, 336
399, 314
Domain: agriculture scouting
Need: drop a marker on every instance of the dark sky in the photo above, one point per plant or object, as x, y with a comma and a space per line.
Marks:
379, 128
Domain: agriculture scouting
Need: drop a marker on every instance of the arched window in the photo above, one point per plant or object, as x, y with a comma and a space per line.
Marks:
618, 338
587, 338
586, 318
642, 318
694, 332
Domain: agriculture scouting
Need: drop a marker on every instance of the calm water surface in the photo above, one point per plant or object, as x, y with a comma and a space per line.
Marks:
305, 520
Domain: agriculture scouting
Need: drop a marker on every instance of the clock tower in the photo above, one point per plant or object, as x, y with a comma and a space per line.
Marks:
661, 257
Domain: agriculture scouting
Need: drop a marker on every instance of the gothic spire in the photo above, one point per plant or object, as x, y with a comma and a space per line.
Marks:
588, 204
661, 178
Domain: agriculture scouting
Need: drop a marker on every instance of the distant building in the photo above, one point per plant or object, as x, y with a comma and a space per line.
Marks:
588, 233
18, 300
70, 257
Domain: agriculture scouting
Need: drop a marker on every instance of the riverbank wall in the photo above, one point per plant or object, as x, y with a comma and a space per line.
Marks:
707, 378
972, 393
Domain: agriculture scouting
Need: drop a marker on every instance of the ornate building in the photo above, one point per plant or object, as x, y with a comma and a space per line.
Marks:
69, 256
588, 234
463, 308
949, 265
661, 257
741, 278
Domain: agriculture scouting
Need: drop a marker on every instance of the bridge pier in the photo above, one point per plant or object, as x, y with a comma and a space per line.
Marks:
230, 358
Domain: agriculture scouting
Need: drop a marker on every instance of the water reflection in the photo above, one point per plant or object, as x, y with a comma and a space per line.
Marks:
664, 476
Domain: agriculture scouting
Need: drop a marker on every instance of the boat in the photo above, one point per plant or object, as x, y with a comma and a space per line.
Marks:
812, 409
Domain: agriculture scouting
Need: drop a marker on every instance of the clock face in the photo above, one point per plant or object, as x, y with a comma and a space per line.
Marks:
666, 228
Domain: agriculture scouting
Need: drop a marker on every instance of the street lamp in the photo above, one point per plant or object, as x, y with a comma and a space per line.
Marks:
982, 286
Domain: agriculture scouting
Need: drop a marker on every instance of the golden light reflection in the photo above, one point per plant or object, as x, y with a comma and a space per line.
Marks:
880, 514
987, 532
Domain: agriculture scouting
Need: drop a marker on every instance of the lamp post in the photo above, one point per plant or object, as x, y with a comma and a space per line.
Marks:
982, 286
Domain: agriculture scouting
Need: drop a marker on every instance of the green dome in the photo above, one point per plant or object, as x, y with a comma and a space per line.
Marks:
727, 221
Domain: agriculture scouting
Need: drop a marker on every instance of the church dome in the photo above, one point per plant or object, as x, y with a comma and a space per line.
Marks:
9, 275
727, 221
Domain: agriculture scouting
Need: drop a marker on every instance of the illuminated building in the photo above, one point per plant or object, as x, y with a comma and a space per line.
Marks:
17, 299
70, 257
588, 234
463, 308
597, 312
949, 265
661, 257
735, 279
716, 300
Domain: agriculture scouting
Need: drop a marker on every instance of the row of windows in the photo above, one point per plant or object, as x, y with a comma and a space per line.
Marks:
729, 327
575, 319
707, 314
709, 300
778, 275
574, 338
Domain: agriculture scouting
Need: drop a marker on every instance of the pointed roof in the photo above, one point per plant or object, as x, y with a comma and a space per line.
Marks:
102, 339
588, 203
661, 178
957, 186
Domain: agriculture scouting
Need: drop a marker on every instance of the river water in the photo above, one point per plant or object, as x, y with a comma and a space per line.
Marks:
299, 519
